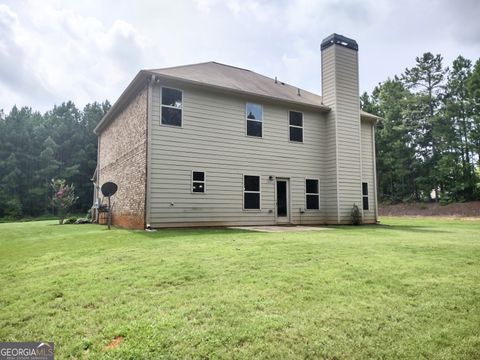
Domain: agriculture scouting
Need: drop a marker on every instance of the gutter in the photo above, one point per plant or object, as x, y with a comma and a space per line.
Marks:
367, 116
323, 108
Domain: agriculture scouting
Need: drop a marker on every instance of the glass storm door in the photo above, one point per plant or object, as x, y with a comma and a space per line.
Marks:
282, 201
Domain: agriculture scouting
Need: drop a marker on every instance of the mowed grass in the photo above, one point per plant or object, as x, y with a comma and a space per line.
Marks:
409, 288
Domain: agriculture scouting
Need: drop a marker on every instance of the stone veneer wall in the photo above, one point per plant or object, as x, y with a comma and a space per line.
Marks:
122, 159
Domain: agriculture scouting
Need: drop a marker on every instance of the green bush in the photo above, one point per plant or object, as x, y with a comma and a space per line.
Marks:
70, 220
356, 215
13, 209
83, 221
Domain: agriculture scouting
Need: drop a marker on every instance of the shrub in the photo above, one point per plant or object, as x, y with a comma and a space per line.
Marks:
83, 221
63, 197
70, 220
356, 215
13, 209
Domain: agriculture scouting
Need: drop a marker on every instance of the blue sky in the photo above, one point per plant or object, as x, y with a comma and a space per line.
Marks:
53, 51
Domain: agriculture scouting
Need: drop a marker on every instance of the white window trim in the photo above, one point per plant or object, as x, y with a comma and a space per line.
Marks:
296, 126
247, 120
252, 192
318, 194
197, 181
171, 107
365, 196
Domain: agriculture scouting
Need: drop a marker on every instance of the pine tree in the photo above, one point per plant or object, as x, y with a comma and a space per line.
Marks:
427, 78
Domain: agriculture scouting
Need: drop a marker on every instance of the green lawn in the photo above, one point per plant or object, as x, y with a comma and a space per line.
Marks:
407, 289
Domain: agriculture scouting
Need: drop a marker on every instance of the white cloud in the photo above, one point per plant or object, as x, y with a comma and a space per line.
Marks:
53, 51
54, 55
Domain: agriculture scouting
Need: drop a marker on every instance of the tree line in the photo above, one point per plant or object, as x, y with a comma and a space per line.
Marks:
35, 148
428, 143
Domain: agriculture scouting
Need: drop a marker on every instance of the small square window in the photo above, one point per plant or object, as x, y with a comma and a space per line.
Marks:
198, 181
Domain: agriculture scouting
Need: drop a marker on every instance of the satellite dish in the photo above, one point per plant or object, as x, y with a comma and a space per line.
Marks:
109, 188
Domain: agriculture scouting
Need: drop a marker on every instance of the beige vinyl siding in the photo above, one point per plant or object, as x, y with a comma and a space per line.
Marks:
213, 139
329, 175
341, 93
368, 170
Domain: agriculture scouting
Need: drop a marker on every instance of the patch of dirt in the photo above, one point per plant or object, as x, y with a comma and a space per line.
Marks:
114, 343
467, 210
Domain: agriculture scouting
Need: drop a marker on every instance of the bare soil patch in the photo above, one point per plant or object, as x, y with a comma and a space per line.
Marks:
114, 343
468, 210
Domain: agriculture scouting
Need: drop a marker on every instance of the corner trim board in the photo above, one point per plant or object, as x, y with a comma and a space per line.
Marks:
148, 176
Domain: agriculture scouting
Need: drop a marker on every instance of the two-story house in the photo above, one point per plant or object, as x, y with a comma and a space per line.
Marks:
212, 145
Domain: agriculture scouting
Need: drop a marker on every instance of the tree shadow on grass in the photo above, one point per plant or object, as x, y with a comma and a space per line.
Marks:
182, 232
410, 228
406, 228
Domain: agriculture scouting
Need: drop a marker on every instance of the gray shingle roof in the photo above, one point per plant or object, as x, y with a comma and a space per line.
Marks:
234, 78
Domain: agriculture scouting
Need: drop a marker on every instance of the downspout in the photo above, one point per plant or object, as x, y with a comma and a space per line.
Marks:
148, 177
97, 214
360, 185
374, 172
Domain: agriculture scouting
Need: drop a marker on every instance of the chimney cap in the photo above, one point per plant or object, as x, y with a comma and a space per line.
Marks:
336, 39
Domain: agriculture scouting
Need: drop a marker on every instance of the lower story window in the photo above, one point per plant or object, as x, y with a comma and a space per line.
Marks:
312, 194
365, 195
198, 181
251, 192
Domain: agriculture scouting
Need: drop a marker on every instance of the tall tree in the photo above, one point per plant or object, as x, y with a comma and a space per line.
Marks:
427, 79
473, 87
457, 128
396, 161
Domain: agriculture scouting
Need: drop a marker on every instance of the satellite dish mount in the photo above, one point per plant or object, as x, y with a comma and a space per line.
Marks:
108, 190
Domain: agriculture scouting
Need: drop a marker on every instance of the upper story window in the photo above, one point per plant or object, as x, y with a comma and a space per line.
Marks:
171, 107
365, 195
312, 194
254, 117
251, 192
198, 181
295, 119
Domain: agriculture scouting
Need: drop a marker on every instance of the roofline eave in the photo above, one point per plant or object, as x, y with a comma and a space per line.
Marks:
130, 91
323, 108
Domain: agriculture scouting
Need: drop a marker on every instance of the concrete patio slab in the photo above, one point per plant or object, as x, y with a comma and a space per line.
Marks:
279, 228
